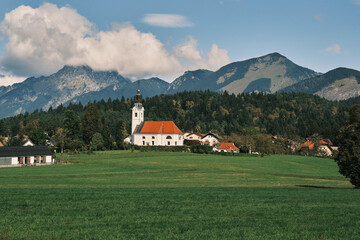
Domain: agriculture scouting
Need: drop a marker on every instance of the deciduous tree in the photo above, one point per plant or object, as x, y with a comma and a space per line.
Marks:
348, 138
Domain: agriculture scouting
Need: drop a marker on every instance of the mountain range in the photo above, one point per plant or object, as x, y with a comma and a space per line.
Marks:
270, 73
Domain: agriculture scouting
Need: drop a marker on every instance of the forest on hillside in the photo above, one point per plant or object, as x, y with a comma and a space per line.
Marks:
293, 115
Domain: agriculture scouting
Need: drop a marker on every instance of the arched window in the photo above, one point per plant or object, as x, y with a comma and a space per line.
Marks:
168, 137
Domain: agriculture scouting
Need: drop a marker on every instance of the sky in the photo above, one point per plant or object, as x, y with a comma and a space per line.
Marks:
165, 38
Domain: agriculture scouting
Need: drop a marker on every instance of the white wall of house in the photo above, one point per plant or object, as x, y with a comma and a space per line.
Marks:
158, 139
326, 150
15, 160
211, 139
193, 137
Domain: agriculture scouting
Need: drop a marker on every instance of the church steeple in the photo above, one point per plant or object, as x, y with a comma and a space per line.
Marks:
137, 112
138, 97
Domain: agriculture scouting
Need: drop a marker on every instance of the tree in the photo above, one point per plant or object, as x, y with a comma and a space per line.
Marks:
97, 141
72, 124
35, 132
348, 158
60, 138
91, 123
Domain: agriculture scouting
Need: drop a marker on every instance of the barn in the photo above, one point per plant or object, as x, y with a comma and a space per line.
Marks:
25, 155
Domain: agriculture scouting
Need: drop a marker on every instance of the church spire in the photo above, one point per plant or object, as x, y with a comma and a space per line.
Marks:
138, 97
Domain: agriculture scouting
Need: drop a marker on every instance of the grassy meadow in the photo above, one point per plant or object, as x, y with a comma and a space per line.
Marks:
125, 195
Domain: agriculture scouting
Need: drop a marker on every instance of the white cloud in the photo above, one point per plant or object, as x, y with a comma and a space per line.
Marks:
167, 20
189, 52
6, 80
42, 40
335, 49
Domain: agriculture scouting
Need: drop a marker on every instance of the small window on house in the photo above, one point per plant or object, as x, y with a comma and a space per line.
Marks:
153, 137
143, 137
179, 137
144, 143
136, 114
169, 143
175, 143
153, 143
168, 137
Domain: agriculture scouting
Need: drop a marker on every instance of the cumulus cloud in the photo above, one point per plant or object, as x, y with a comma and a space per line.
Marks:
6, 80
189, 52
42, 40
335, 49
167, 20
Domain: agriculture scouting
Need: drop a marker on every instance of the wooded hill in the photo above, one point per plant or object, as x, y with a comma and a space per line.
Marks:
288, 114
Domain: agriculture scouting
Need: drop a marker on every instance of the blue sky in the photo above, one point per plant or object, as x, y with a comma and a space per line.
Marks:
143, 38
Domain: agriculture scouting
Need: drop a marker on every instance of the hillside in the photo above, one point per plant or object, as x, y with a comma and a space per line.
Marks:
268, 73
337, 84
291, 114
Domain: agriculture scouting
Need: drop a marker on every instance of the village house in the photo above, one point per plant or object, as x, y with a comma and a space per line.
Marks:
28, 142
193, 136
152, 133
227, 147
323, 147
211, 139
25, 155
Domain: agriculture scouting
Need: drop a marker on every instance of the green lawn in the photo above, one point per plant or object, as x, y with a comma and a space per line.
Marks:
124, 195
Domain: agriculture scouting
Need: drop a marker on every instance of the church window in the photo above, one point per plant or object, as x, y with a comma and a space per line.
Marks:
143, 142
168, 137
143, 137
136, 114
153, 137
168, 142
175, 143
153, 143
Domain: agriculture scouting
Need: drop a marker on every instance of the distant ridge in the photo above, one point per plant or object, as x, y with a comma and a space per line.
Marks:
270, 73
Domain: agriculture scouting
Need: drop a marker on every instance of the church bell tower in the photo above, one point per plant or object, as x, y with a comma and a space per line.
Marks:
137, 112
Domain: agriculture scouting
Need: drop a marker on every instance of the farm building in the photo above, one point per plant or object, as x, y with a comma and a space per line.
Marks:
193, 136
227, 147
25, 155
323, 146
210, 139
153, 133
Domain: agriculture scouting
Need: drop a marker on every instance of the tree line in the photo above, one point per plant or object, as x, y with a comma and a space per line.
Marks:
104, 124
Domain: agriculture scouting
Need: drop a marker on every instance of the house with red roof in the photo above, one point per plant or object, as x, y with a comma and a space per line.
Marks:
227, 147
323, 147
153, 133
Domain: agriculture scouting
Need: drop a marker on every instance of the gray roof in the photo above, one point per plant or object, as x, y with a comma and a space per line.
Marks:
24, 151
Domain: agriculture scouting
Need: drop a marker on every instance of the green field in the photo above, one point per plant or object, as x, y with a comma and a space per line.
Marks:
124, 195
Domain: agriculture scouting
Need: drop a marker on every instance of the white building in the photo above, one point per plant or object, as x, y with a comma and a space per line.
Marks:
210, 139
153, 133
193, 136
25, 155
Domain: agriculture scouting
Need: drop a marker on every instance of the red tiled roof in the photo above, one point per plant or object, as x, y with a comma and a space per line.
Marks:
160, 127
228, 146
310, 144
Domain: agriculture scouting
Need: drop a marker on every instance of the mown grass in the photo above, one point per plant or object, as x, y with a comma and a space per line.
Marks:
124, 195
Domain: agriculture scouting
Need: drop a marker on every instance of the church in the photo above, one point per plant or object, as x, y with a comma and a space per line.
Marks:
153, 133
